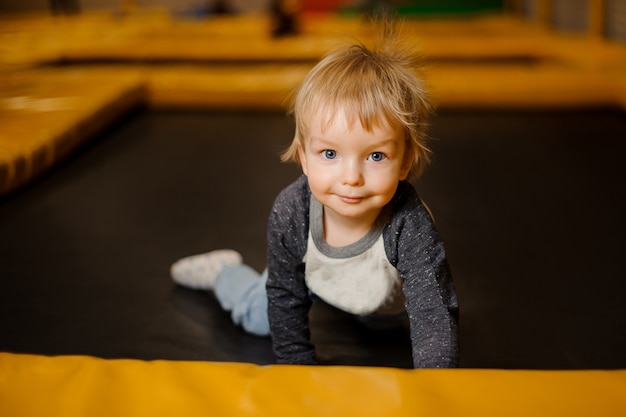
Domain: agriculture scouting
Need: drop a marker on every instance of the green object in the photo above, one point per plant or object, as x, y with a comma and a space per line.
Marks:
430, 7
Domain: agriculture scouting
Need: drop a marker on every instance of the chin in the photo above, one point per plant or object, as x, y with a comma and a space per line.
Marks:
352, 212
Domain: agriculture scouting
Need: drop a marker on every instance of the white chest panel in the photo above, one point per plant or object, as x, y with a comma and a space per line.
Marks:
362, 284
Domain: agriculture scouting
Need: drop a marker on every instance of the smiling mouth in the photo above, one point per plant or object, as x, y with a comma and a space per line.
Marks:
350, 200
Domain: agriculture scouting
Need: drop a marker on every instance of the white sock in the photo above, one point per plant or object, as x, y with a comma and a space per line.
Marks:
201, 271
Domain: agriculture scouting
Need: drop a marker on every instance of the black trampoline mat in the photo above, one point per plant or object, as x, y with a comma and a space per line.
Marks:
530, 205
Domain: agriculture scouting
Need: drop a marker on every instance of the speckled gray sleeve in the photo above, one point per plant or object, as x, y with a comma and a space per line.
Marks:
413, 246
288, 295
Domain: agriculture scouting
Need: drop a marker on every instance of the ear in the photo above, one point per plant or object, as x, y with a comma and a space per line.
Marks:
302, 158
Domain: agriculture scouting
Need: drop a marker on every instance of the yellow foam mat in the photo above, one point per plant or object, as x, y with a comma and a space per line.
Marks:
32, 385
46, 114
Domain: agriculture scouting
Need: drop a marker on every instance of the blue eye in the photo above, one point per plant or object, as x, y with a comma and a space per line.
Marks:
329, 154
377, 156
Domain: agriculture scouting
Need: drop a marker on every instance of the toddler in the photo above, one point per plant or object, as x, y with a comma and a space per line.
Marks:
352, 229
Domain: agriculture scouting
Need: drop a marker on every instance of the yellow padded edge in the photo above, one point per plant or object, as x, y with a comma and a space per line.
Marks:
32, 385
47, 114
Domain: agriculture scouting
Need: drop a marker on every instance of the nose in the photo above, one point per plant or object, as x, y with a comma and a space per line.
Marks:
352, 173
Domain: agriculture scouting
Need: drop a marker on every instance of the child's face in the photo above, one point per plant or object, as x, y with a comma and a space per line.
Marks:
352, 172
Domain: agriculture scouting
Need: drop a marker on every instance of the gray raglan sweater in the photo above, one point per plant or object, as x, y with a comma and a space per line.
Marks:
412, 245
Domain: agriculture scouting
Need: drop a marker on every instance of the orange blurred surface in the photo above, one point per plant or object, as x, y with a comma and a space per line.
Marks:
70, 386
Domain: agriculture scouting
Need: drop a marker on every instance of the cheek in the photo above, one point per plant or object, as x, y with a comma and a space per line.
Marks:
322, 177
318, 176
389, 188
319, 188
385, 182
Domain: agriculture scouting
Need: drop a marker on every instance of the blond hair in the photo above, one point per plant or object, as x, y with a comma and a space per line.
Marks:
373, 85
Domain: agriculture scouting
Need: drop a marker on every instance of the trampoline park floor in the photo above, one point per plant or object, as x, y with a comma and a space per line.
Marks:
529, 203
127, 142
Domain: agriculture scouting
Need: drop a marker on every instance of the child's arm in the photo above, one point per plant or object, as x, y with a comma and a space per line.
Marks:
431, 301
288, 309
433, 313
288, 295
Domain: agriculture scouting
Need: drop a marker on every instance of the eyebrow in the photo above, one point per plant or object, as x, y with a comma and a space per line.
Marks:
320, 141
385, 142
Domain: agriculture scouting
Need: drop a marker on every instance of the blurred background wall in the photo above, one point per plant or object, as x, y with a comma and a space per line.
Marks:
603, 17
251, 6
172, 5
